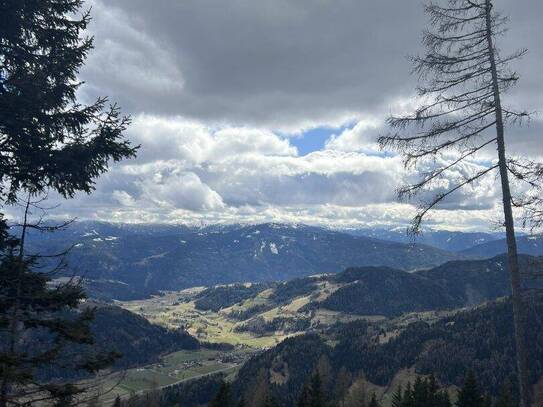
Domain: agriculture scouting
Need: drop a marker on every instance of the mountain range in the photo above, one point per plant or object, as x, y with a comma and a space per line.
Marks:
120, 261
131, 262
365, 292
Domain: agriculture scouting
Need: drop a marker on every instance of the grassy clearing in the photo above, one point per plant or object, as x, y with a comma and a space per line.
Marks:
172, 368
215, 327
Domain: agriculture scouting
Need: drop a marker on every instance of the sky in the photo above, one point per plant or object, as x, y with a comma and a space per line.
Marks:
256, 111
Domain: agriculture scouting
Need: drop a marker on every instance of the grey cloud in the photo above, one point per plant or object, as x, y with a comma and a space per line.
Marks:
276, 64
208, 81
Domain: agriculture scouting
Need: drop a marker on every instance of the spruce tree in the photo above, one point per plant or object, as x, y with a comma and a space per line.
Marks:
305, 398
469, 395
408, 399
343, 381
420, 391
317, 393
312, 394
463, 81
241, 402
373, 401
49, 142
397, 397
505, 398
223, 398
443, 400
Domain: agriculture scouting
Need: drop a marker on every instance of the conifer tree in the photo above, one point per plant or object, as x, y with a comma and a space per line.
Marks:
420, 391
505, 398
444, 399
49, 141
241, 402
464, 78
343, 381
312, 394
317, 394
223, 398
397, 397
469, 395
408, 399
373, 401
305, 398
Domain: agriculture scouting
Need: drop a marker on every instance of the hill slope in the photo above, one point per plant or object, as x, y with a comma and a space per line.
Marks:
442, 239
267, 312
129, 262
532, 245
448, 348
134, 338
382, 290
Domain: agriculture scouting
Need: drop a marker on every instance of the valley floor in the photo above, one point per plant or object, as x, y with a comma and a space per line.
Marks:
172, 369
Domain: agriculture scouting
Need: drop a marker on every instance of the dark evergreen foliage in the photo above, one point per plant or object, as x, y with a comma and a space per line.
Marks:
505, 398
373, 401
216, 298
223, 398
447, 349
49, 142
470, 395
312, 395
136, 341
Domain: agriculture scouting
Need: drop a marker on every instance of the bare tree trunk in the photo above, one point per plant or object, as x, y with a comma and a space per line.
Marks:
13, 331
512, 254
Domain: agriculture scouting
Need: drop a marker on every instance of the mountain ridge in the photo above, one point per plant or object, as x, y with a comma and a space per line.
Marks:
123, 263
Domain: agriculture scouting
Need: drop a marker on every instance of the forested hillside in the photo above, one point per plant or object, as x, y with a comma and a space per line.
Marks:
299, 304
136, 341
448, 349
125, 262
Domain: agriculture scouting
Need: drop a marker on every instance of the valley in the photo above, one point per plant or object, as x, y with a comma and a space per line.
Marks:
260, 315
124, 262
269, 305
173, 369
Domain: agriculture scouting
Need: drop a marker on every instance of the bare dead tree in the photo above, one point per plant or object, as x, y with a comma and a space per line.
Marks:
463, 77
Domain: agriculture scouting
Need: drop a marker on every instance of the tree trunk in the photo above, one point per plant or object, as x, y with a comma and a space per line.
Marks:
13, 332
516, 289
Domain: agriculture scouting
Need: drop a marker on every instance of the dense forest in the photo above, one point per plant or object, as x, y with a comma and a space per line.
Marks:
448, 349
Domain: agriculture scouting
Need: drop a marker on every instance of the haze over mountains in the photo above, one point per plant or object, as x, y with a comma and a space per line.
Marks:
123, 261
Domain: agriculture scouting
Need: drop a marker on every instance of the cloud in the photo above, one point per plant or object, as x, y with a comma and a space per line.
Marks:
189, 172
217, 88
282, 65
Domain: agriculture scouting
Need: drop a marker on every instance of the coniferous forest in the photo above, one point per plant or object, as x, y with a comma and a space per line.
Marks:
271, 204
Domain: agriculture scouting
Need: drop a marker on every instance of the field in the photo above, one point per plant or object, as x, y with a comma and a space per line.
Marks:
171, 369
170, 311
177, 309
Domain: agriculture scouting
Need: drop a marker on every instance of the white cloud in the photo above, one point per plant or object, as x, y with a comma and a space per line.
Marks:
210, 86
189, 172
